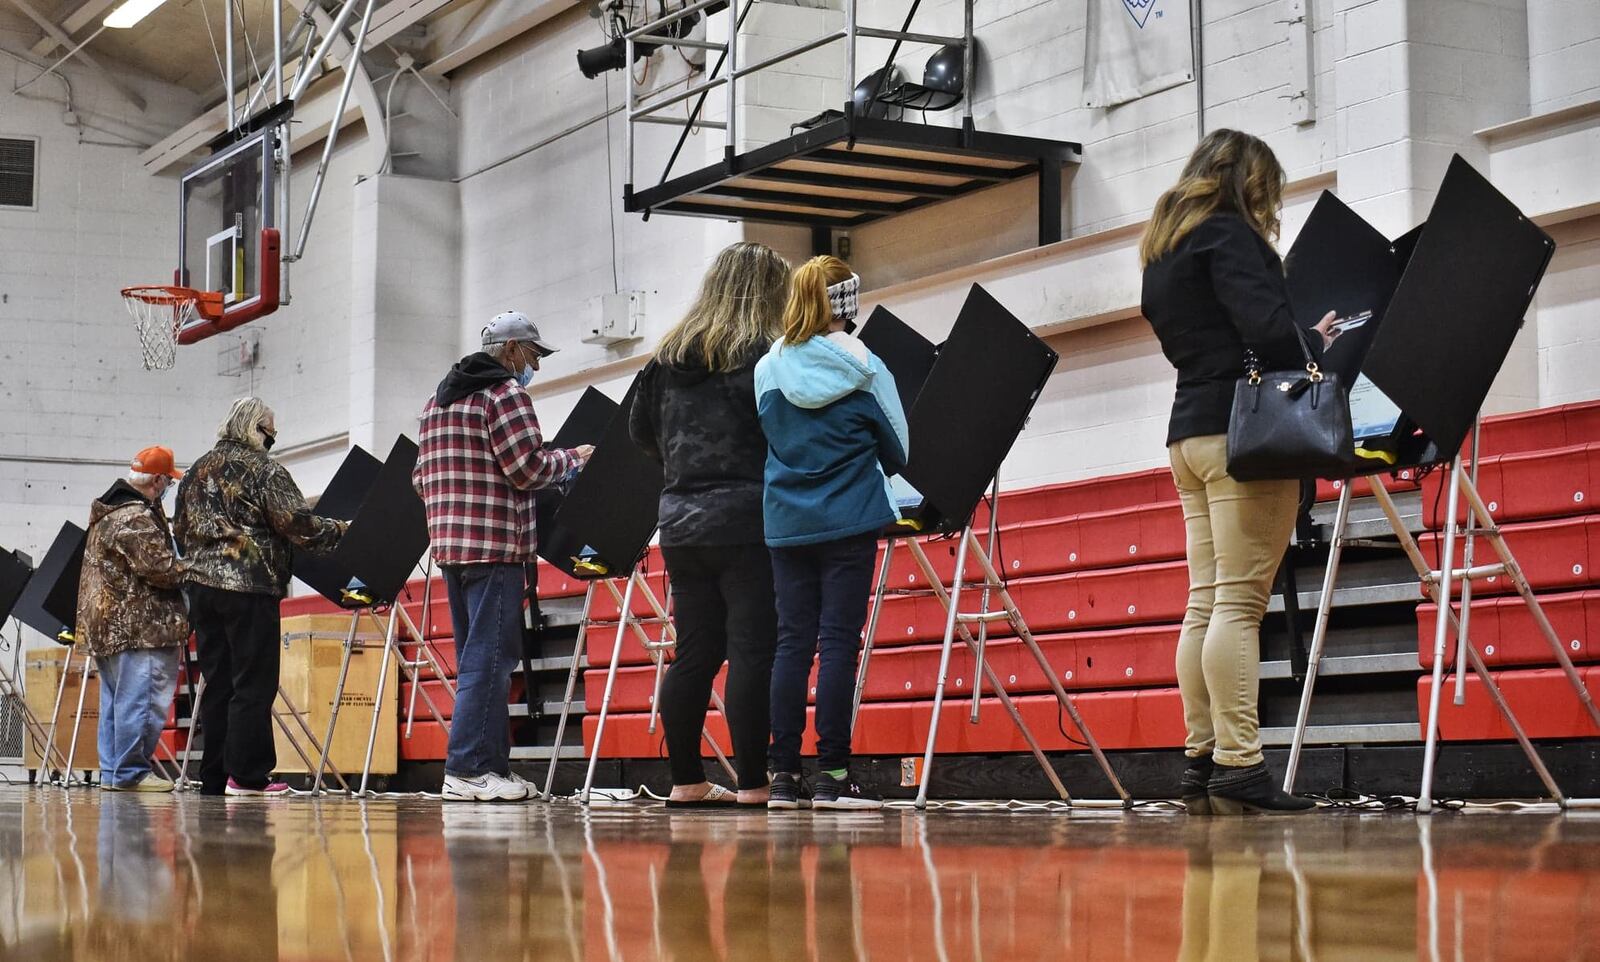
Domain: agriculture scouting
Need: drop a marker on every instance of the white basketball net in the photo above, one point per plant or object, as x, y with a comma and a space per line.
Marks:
159, 313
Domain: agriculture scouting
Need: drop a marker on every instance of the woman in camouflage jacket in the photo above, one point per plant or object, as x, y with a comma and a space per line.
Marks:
240, 516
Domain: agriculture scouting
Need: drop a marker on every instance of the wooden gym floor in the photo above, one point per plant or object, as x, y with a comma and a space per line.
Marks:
95, 876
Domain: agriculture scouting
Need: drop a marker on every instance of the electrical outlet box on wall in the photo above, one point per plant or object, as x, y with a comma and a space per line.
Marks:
621, 316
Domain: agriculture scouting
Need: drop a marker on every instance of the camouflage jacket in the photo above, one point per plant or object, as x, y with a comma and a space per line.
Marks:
128, 592
239, 518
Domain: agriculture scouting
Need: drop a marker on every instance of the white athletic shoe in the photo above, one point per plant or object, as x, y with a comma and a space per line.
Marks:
533, 790
484, 788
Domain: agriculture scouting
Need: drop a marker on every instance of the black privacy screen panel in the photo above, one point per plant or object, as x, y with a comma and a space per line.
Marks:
973, 405
585, 425
908, 355
49, 601
14, 576
612, 507
1341, 263
390, 531
341, 499
1459, 305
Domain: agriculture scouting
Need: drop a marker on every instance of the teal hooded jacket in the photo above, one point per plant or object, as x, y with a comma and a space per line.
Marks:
835, 433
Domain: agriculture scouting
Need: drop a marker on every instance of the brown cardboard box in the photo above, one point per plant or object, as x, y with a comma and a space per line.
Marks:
313, 649
42, 676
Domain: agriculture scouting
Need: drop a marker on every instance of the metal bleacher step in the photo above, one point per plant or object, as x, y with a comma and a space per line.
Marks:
1356, 595
543, 752
1344, 733
550, 709
1348, 665
1367, 519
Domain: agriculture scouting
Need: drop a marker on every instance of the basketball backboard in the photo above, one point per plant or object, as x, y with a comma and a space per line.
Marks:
228, 241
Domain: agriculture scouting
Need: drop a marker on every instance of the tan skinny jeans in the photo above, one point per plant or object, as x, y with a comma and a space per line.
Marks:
1237, 533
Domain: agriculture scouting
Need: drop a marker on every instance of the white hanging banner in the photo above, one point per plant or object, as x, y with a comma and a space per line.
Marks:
1136, 47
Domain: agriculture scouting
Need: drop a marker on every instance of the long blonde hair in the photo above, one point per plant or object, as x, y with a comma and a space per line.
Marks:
1229, 171
738, 309
242, 421
809, 311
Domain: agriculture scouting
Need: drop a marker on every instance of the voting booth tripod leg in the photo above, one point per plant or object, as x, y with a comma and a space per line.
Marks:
194, 726
623, 617
873, 614
983, 609
389, 647
30, 721
55, 714
658, 650
951, 600
338, 696
572, 687
77, 717
1013, 615
304, 731
427, 657
1319, 634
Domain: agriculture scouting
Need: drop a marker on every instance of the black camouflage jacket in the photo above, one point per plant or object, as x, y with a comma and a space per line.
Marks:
238, 519
702, 427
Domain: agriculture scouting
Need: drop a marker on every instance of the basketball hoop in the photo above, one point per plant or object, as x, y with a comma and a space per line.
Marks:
159, 312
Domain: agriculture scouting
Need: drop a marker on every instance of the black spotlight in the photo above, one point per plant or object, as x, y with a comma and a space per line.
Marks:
612, 56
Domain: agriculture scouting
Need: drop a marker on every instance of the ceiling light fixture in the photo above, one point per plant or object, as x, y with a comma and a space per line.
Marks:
130, 13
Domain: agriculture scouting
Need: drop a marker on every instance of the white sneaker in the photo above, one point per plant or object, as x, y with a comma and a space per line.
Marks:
484, 788
533, 790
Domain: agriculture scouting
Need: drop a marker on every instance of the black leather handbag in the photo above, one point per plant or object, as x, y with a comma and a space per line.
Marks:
1289, 424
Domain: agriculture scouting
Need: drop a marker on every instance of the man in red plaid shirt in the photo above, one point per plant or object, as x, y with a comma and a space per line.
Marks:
481, 458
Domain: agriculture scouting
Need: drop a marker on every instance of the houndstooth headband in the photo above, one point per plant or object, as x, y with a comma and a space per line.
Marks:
845, 297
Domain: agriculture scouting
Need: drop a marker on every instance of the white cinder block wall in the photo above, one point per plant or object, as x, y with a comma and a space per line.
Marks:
401, 272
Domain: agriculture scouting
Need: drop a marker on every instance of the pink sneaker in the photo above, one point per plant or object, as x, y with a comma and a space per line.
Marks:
273, 789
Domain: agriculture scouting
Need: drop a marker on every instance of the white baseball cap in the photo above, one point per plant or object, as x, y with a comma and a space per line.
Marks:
514, 326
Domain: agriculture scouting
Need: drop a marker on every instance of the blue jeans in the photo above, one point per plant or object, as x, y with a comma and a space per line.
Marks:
486, 614
136, 688
822, 594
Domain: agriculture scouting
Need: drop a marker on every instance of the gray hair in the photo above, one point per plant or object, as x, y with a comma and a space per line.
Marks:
242, 421
141, 480
498, 351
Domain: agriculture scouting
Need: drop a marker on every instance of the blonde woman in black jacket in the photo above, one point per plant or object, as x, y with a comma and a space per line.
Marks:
695, 412
1213, 289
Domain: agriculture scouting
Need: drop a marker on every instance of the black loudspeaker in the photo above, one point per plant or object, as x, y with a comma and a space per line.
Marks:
585, 425
389, 533
16, 569
611, 510
908, 355
973, 405
340, 500
49, 602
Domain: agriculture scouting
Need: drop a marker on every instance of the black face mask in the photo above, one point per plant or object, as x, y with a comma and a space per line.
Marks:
267, 440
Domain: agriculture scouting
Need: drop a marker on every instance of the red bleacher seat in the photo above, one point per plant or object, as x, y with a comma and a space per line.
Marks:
1505, 633
1554, 555
1541, 698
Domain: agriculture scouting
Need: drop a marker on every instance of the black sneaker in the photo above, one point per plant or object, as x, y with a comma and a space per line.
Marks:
843, 795
787, 792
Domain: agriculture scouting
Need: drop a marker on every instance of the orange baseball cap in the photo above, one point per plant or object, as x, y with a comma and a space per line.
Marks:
156, 459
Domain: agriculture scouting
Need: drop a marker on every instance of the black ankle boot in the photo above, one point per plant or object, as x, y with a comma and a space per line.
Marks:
1193, 785
1239, 791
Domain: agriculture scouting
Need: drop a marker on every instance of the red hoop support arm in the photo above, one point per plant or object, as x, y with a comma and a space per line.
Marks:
264, 303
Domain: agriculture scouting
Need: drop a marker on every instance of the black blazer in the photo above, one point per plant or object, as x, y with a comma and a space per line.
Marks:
1220, 291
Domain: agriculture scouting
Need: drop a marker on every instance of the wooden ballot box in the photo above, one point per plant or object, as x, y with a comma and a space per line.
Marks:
312, 650
42, 677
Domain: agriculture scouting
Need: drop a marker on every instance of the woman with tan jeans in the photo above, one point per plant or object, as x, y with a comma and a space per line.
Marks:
1214, 289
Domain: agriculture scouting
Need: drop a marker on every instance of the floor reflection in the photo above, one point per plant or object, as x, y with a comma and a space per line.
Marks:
94, 876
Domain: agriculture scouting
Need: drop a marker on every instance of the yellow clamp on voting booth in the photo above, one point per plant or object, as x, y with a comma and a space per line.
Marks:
586, 567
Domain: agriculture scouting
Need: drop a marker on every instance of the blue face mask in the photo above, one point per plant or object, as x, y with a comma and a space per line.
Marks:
525, 376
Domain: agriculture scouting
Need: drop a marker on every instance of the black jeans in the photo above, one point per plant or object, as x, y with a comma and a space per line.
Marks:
237, 637
724, 611
822, 603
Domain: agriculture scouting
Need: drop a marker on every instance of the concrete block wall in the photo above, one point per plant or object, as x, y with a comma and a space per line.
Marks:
75, 401
1563, 53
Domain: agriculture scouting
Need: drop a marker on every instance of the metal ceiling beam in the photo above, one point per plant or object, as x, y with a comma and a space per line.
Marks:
497, 24
85, 14
51, 30
365, 93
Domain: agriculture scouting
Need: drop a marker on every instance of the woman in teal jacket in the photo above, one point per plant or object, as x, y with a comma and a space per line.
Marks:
835, 432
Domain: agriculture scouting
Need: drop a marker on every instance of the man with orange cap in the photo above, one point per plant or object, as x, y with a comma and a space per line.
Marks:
132, 618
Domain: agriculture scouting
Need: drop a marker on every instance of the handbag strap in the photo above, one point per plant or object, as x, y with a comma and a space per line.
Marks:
1252, 363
